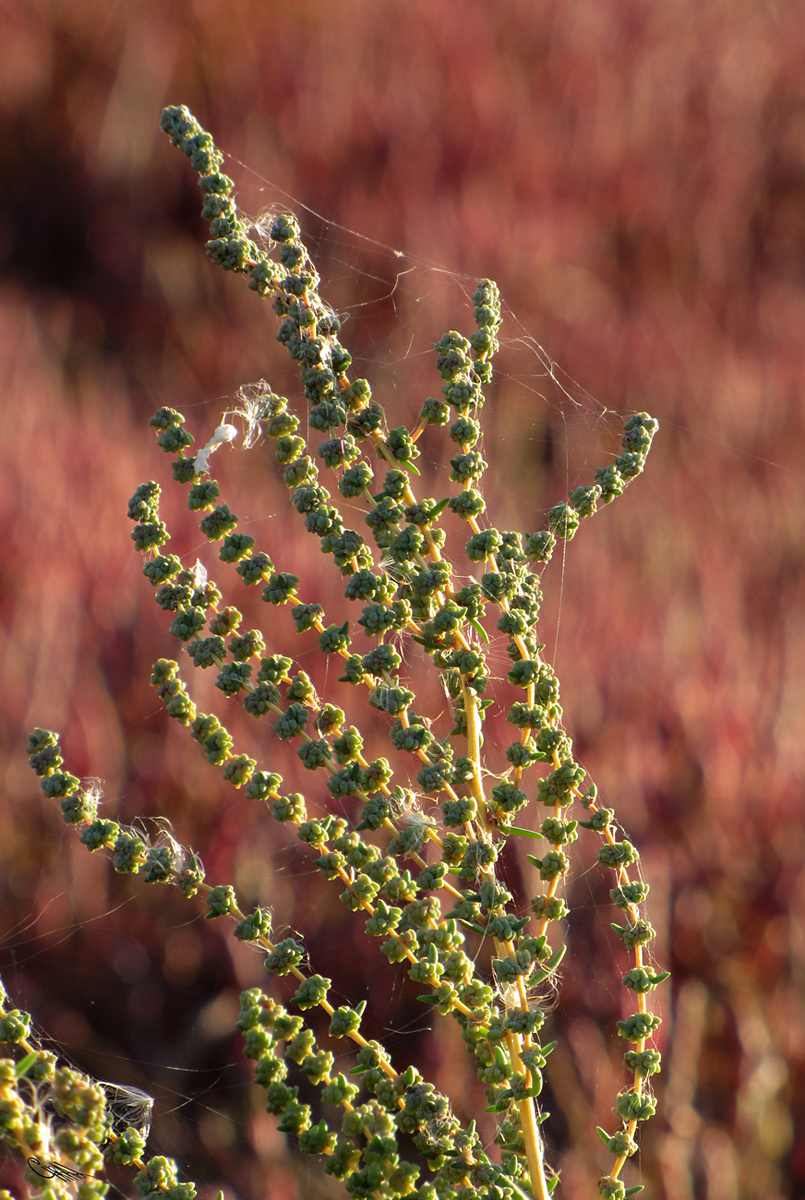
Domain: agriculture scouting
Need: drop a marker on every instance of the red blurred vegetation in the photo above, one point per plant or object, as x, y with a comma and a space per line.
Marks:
633, 177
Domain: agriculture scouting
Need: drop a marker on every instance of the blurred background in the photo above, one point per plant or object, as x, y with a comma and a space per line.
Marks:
633, 176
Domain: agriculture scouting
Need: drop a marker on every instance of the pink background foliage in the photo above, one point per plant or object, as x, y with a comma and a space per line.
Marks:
633, 177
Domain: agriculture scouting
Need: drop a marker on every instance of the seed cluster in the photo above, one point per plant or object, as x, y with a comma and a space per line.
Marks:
418, 857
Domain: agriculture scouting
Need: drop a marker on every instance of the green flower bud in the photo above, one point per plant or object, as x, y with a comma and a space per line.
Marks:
611, 1189
381, 660
256, 925
467, 504
639, 1026
149, 536
639, 934
15, 1026
335, 639
188, 623
467, 466
162, 568
290, 808
218, 523
434, 412
128, 854
263, 785
634, 1107
238, 770
402, 445
305, 616
175, 439
312, 991
100, 834
629, 893
481, 545
621, 854
203, 495
375, 812
585, 500
375, 776
540, 546
292, 722
640, 980
465, 431
345, 782
269, 1069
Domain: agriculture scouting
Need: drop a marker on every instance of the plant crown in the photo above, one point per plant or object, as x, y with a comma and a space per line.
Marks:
417, 859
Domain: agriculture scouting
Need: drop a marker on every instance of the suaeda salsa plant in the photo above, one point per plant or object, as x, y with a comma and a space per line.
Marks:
415, 856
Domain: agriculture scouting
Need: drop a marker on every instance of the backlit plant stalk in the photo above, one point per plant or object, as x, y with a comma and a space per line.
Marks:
417, 857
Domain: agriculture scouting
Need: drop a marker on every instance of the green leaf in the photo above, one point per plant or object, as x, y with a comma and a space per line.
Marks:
515, 829
498, 1107
547, 968
479, 629
24, 1063
471, 924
